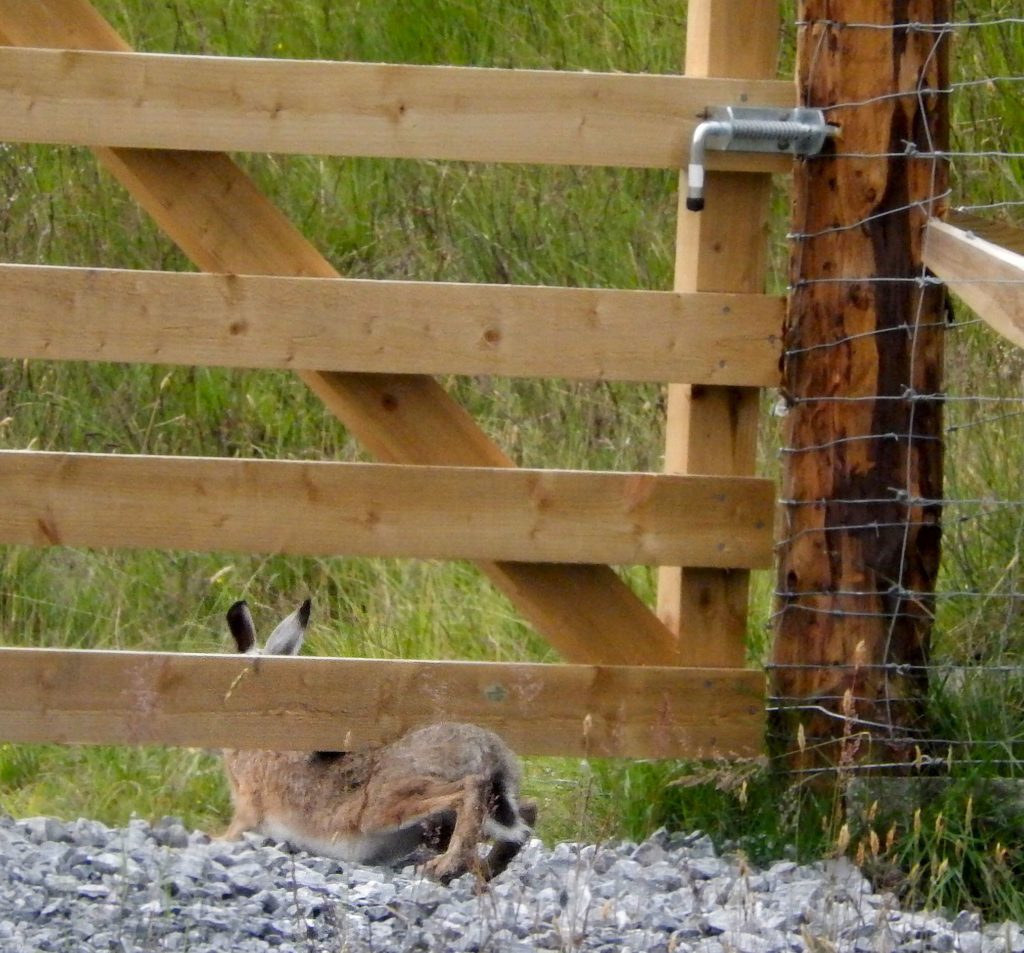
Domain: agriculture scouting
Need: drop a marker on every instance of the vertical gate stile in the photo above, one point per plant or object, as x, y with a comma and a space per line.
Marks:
714, 429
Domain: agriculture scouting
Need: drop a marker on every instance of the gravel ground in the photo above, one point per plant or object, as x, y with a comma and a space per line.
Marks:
82, 886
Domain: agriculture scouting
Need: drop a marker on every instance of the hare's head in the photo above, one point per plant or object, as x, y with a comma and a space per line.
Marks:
286, 639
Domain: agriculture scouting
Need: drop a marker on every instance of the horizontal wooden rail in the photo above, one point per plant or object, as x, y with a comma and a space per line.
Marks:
206, 103
982, 262
388, 326
101, 697
366, 509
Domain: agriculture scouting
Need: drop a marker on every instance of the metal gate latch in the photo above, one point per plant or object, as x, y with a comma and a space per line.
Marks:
800, 132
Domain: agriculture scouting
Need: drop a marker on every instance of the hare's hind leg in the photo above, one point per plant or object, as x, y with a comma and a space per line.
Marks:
460, 854
244, 819
508, 826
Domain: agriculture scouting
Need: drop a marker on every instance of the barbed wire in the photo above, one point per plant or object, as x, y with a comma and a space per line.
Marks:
912, 152
912, 26
868, 219
988, 206
901, 497
898, 668
892, 591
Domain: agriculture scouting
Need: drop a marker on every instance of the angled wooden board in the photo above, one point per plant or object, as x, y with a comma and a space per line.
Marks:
400, 327
207, 103
137, 698
366, 509
982, 263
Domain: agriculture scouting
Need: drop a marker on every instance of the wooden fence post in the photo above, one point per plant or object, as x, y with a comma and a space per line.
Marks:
862, 364
714, 429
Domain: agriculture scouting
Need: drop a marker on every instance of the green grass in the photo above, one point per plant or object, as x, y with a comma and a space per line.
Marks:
377, 219
463, 222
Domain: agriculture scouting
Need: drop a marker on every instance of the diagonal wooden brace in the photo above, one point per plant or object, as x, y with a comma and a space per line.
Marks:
218, 217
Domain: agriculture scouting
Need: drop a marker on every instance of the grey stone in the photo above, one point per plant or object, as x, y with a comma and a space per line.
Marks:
728, 920
60, 883
75, 860
372, 893
696, 844
751, 943
966, 921
781, 870
194, 866
161, 888
664, 876
1008, 934
604, 860
45, 829
226, 856
662, 921
709, 946
170, 832
706, 868
649, 852
108, 863
90, 833
247, 879
798, 894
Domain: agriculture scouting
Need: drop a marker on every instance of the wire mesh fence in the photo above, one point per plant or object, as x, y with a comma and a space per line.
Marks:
959, 701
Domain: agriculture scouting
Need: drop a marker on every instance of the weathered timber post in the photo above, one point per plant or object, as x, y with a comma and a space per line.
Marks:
863, 345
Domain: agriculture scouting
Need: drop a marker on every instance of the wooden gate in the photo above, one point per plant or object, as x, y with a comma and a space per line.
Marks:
638, 682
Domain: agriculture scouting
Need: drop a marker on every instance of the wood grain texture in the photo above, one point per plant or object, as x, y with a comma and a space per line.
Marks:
991, 230
365, 509
387, 326
208, 103
982, 263
862, 473
136, 698
722, 249
220, 219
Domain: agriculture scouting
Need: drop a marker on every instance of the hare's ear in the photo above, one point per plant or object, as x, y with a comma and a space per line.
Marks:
287, 638
242, 629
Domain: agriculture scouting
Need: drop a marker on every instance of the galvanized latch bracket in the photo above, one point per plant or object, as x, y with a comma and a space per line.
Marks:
801, 132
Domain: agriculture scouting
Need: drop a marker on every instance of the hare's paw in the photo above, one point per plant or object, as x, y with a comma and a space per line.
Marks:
446, 867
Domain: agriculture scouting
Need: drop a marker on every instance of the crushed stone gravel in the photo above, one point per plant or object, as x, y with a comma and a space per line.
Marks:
73, 886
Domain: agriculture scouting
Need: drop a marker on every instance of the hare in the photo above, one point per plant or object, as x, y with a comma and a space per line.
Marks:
444, 787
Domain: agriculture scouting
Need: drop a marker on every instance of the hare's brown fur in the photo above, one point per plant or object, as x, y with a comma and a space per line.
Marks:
447, 786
